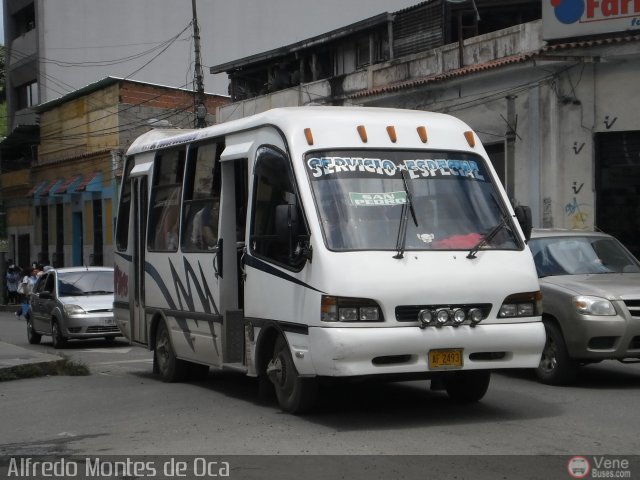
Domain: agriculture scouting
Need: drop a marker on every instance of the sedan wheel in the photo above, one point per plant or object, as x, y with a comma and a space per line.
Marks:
32, 336
59, 341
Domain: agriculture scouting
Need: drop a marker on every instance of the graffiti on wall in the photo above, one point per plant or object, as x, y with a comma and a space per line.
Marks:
578, 213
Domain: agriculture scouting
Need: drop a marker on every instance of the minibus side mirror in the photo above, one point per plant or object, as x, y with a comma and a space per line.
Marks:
523, 214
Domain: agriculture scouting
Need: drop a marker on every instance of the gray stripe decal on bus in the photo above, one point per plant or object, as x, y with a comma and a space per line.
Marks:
266, 268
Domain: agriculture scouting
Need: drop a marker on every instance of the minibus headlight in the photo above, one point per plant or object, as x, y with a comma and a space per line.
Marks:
345, 309
348, 314
528, 304
369, 314
508, 310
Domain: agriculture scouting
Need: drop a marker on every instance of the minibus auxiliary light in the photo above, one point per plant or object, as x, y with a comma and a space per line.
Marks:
439, 317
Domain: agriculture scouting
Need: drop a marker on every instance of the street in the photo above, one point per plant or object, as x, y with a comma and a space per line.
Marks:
122, 409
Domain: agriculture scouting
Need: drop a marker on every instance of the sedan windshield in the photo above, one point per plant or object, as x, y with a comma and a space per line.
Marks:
413, 200
73, 284
579, 255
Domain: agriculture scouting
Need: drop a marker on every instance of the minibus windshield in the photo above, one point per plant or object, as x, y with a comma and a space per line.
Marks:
362, 198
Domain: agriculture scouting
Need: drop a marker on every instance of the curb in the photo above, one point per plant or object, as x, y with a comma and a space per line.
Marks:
17, 362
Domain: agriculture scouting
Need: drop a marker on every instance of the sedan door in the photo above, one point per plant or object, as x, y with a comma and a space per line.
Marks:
42, 302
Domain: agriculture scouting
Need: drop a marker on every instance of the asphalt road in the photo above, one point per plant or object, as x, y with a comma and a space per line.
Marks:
122, 409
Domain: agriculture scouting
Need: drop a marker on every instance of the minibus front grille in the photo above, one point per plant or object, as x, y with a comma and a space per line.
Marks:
410, 313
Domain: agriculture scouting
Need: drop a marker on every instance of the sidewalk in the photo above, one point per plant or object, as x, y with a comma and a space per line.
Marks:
15, 360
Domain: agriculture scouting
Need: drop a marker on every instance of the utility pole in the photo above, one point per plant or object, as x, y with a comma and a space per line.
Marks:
510, 150
200, 108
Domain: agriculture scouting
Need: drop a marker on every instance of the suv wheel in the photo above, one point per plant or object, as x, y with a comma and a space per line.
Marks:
556, 367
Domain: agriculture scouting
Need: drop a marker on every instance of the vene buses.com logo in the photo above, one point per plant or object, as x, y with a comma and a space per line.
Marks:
578, 467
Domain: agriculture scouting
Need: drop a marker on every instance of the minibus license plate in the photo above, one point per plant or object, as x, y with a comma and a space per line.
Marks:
449, 358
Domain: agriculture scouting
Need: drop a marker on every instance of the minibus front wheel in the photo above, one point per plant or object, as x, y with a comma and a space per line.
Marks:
295, 394
170, 368
467, 386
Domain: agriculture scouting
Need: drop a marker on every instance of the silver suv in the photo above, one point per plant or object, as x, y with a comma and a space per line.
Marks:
74, 302
591, 301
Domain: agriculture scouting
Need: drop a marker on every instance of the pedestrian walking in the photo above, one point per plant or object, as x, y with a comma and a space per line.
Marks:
13, 280
25, 288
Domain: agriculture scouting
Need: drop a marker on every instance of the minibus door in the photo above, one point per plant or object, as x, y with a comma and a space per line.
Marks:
140, 206
228, 255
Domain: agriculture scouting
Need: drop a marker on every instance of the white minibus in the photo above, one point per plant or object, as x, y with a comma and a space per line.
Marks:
311, 243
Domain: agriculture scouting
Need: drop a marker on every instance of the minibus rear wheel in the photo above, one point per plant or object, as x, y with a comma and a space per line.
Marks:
295, 394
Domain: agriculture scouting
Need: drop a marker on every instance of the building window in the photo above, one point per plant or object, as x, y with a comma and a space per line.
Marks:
362, 52
28, 95
25, 20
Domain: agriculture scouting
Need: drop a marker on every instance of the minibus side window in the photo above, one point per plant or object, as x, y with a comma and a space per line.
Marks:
274, 187
124, 209
164, 212
202, 199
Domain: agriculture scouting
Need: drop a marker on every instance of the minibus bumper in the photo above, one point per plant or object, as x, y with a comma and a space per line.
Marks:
347, 352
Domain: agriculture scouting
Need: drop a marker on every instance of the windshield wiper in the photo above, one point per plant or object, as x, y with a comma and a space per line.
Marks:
489, 236
402, 229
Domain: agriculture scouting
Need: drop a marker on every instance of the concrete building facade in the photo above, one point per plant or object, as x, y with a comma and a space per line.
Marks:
558, 116
61, 210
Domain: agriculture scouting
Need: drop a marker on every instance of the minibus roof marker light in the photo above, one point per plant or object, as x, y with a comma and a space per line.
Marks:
308, 135
471, 140
422, 133
363, 133
391, 130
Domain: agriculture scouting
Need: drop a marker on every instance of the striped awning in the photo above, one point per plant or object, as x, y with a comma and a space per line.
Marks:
74, 184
